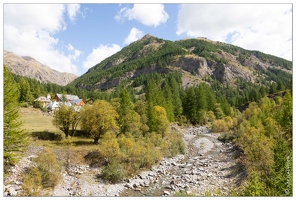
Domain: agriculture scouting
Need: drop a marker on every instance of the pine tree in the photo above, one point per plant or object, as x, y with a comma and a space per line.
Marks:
176, 100
129, 120
151, 101
190, 105
169, 102
201, 97
141, 109
14, 135
25, 91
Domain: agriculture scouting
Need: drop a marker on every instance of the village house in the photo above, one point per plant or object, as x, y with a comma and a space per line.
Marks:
68, 97
58, 100
73, 99
52, 106
41, 102
77, 102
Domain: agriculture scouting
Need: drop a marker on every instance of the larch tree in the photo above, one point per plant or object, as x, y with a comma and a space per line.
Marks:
14, 135
161, 121
129, 120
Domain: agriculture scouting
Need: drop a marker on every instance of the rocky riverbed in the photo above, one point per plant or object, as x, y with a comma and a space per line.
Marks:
209, 167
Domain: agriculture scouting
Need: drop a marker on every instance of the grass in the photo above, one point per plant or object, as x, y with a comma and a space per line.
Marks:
36, 121
41, 132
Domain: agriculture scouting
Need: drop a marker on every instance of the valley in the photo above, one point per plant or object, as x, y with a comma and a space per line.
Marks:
158, 118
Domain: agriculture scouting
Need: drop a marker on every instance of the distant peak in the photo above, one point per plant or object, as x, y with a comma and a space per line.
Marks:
28, 58
146, 36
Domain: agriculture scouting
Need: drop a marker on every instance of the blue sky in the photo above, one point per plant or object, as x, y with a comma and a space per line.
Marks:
74, 37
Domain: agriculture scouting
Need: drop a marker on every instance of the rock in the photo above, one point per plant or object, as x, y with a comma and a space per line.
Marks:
142, 176
166, 193
136, 185
151, 174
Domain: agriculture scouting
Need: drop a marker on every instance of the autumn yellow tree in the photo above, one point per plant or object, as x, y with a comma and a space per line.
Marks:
161, 121
98, 119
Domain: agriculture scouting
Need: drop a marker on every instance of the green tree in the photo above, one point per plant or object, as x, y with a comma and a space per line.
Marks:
14, 135
141, 108
129, 120
98, 119
281, 179
190, 105
169, 105
150, 94
74, 121
286, 119
176, 100
25, 91
65, 118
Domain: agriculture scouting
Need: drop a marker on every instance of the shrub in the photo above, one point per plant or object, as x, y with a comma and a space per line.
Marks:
45, 173
25, 105
94, 159
49, 168
114, 171
175, 144
109, 147
226, 137
32, 182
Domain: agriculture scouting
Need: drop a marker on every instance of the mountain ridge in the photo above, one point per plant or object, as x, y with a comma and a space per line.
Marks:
196, 59
29, 67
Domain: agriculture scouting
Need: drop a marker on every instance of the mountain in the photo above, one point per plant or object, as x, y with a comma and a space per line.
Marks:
29, 67
197, 60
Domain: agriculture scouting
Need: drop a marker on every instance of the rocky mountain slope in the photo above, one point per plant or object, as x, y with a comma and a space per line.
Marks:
29, 67
195, 59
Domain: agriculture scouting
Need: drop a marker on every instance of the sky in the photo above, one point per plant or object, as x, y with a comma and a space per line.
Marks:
75, 37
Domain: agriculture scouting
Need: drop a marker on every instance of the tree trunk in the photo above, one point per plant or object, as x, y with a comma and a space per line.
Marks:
96, 140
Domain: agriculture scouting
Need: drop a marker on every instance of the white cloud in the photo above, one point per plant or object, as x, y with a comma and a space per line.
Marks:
134, 35
73, 10
29, 31
99, 54
147, 14
263, 27
73, 53
70, 47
